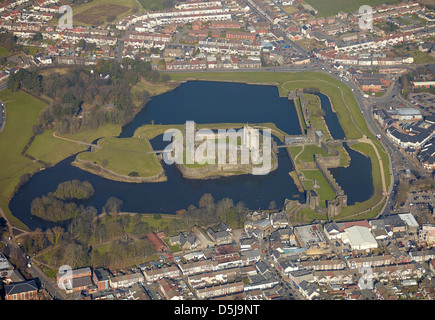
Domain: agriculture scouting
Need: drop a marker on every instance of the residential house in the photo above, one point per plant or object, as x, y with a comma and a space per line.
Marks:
126, 280
370, 261
24, 290
186, 240
249, 244
206, 279
422, 255
101, 278
328, 277
220, 290
170, 289
157, 242
308, 290
155, 274
321, 264
220, 237
199, 266
74, 280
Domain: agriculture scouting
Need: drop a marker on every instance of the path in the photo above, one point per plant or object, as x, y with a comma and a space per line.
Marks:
77, 141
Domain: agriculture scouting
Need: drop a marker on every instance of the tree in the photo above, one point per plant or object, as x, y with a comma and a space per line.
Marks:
100, 231
272, 205
74, 189
113, 206
206, 201
3, 226
37, 36
58, 233
223, 207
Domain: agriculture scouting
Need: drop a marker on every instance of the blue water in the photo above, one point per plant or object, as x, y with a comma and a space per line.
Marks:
202, 102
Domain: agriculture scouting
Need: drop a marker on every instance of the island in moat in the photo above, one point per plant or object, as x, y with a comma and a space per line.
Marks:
234, 151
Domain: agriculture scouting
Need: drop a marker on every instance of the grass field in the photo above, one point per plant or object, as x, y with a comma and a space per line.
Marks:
328, 8
325, 191
97, 11
125, 156
422, 57
4, 52
51, 150
152, 4
309, 151
316, 116
22, 113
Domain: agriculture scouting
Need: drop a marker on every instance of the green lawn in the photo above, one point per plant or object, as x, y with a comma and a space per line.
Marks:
316, 114
328, 8
301, 117
152, 4
325, 191
309, 151
22, 113
4, 52
125, 156
422, 57
97, 11
51, 150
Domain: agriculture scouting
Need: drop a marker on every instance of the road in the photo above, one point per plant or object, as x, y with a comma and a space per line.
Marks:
2, 109
46, 283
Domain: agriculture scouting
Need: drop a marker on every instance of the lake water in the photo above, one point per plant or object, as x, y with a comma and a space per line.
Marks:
202, 102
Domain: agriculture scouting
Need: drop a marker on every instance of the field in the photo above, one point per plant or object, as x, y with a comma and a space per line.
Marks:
152, 4
4, 52
422, 57
125, 157
52, 149
328, 8
22, 113
97, 11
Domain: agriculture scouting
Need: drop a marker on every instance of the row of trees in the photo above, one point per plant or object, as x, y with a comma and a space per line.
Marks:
209, 212
29, 80
122, 236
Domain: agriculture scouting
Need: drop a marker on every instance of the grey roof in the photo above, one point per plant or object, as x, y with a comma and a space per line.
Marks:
101, 274
331, 226
21, 287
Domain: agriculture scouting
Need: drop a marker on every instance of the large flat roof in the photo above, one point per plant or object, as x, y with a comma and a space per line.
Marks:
360, 236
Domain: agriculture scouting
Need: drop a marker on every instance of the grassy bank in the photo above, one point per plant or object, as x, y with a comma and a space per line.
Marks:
125, 157
22, 113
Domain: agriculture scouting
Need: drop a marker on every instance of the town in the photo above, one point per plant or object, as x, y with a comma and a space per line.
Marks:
269, 259
269, 254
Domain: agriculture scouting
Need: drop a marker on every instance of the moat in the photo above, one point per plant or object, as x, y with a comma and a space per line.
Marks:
203, 102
